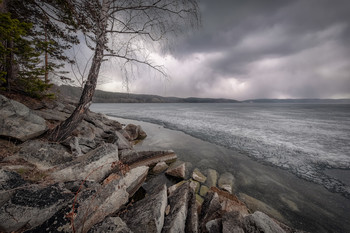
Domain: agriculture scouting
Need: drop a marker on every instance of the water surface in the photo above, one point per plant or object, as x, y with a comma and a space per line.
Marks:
268, 147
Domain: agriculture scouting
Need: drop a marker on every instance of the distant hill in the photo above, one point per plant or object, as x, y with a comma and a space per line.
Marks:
299, 101
117, 97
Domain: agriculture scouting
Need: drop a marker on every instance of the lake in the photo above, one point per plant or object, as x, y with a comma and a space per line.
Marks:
293, 157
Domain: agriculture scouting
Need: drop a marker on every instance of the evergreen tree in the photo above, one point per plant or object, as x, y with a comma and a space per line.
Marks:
18, 56
51, 32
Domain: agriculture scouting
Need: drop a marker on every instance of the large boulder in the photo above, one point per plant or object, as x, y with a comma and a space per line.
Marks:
260, 222
198, 176
19, 122
111, 225
43, 154
93, 166
31, 206
178, 201
9, 181
147, 215
135, 132
94, 203
179, 169
146, 158
109, 199
230, 202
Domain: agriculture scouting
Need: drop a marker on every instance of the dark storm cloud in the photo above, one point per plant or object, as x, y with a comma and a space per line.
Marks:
261, 49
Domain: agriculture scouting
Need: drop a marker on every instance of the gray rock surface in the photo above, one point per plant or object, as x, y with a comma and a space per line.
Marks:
232, 222
113, 194
230, 202
260, 222
198, 176
226, 181
160, 167
178, 201
212, 177
9, 181
211, 209
43, 154
192, 215
93, 166
32, 206
147, 215
147, 158
19, 122
178, 169
214, 226
135, 132
122, 142
111, 225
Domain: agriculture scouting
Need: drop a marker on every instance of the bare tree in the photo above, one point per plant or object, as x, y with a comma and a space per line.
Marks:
120, 29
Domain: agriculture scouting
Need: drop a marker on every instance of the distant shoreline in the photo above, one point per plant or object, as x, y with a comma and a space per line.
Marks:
116, 97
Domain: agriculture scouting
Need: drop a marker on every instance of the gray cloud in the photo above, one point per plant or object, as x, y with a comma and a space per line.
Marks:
261, 49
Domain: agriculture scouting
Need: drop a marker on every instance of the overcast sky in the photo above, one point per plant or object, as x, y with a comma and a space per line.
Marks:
249, 49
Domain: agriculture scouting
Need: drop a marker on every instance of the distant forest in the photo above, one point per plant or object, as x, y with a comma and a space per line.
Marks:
116, 97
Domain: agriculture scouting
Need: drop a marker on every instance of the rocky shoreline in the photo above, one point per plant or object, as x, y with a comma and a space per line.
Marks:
96, 182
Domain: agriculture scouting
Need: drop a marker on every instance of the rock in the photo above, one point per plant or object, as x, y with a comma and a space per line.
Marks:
194, 185
154, 182
43, 154
260, 222
178, 201
230, 202
122, 142
52, 115
192, 215
19, 122
99, 120
135, 178
199, 200
111, 225
109, 199
211, 209
73, 144
93, 166
160, 167
135, 132
31, 206
214, 226
61, 221
255, 204
147, 215
87, 134
174, 187
212, 177
232, 222
226, 182
178, 169
147, 158
8, 182
198, 176
203, 191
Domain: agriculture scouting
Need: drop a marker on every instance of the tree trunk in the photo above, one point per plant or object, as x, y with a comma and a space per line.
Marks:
65, 129
46, 59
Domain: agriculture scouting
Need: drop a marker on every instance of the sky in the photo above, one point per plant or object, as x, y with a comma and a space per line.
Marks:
247, 49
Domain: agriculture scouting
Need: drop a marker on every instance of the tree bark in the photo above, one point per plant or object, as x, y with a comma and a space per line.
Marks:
46, 59
65, 129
